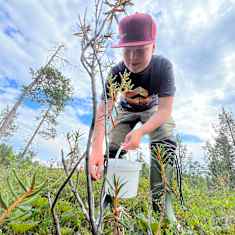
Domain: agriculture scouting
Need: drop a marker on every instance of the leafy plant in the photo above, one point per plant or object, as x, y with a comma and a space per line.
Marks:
28, 192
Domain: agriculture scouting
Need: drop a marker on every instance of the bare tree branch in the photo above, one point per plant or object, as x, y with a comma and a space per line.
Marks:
54, 215
74, 190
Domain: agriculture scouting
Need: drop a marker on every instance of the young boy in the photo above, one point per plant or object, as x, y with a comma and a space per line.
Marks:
150, 102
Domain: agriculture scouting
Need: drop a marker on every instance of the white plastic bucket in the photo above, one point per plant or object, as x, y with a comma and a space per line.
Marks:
127, 172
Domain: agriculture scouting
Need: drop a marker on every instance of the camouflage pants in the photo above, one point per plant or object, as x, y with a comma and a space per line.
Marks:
163, 135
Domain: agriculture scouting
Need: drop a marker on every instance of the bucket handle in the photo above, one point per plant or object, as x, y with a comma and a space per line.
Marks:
118, 152
117, 155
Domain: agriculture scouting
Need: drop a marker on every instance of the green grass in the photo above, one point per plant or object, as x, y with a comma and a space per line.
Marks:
211, 210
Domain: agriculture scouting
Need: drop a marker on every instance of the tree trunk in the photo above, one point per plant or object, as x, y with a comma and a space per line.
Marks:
7, 121
35, 132
10, 116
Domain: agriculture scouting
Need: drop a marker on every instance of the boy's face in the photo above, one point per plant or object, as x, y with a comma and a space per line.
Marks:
137, 58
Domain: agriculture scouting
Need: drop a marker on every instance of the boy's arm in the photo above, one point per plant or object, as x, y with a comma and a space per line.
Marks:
164, 111
96, 159
161, 116
99, 129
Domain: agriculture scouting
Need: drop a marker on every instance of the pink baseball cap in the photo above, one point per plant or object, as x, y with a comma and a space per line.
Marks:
136, 30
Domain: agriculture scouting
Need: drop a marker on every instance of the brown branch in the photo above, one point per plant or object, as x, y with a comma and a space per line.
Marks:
106, 111
66, 181
54, 215
15, 204
74, 190
89, 60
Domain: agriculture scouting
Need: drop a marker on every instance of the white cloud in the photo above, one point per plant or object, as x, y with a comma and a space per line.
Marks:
199, 17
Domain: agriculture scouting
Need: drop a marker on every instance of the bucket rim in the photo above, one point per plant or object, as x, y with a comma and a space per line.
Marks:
115, 164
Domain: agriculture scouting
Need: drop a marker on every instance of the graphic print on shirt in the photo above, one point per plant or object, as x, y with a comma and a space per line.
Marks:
137, 96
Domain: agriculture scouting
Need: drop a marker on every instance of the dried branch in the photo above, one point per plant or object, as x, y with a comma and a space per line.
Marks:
54, 215
65, 182
74, 190
92, 50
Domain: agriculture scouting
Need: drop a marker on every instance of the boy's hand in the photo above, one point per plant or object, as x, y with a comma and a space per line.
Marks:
132, 140
96, 164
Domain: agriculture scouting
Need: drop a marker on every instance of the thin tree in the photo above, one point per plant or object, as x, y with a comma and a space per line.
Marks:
228, 124
12, 127
9, 117
94, 40
53, 91
181, 153
221, 153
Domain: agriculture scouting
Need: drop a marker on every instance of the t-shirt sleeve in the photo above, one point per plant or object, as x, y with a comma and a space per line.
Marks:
167, 82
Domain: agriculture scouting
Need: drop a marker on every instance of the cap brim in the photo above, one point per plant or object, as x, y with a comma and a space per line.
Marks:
130, 44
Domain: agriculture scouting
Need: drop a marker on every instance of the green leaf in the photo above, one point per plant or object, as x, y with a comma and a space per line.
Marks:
20, 217
33, 181
64, 206
10, 187
66, 231
154, 227
23, 208
3, 204
19, 181
143, 223
38, 189
23, 227
40, 202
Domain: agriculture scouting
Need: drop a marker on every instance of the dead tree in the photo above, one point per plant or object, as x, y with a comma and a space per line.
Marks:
53, 91
9, 117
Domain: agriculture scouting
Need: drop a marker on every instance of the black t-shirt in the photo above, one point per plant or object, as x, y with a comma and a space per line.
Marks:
160, 69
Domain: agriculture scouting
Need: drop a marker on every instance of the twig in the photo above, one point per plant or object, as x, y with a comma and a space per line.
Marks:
74, 190
54, 215
66, 181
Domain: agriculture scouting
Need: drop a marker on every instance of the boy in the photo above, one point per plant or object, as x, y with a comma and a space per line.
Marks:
150, 102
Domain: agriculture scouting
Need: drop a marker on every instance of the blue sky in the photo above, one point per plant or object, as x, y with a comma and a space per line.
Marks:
198, 37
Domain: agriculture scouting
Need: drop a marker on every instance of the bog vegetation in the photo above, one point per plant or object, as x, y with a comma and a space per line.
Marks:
26, 188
